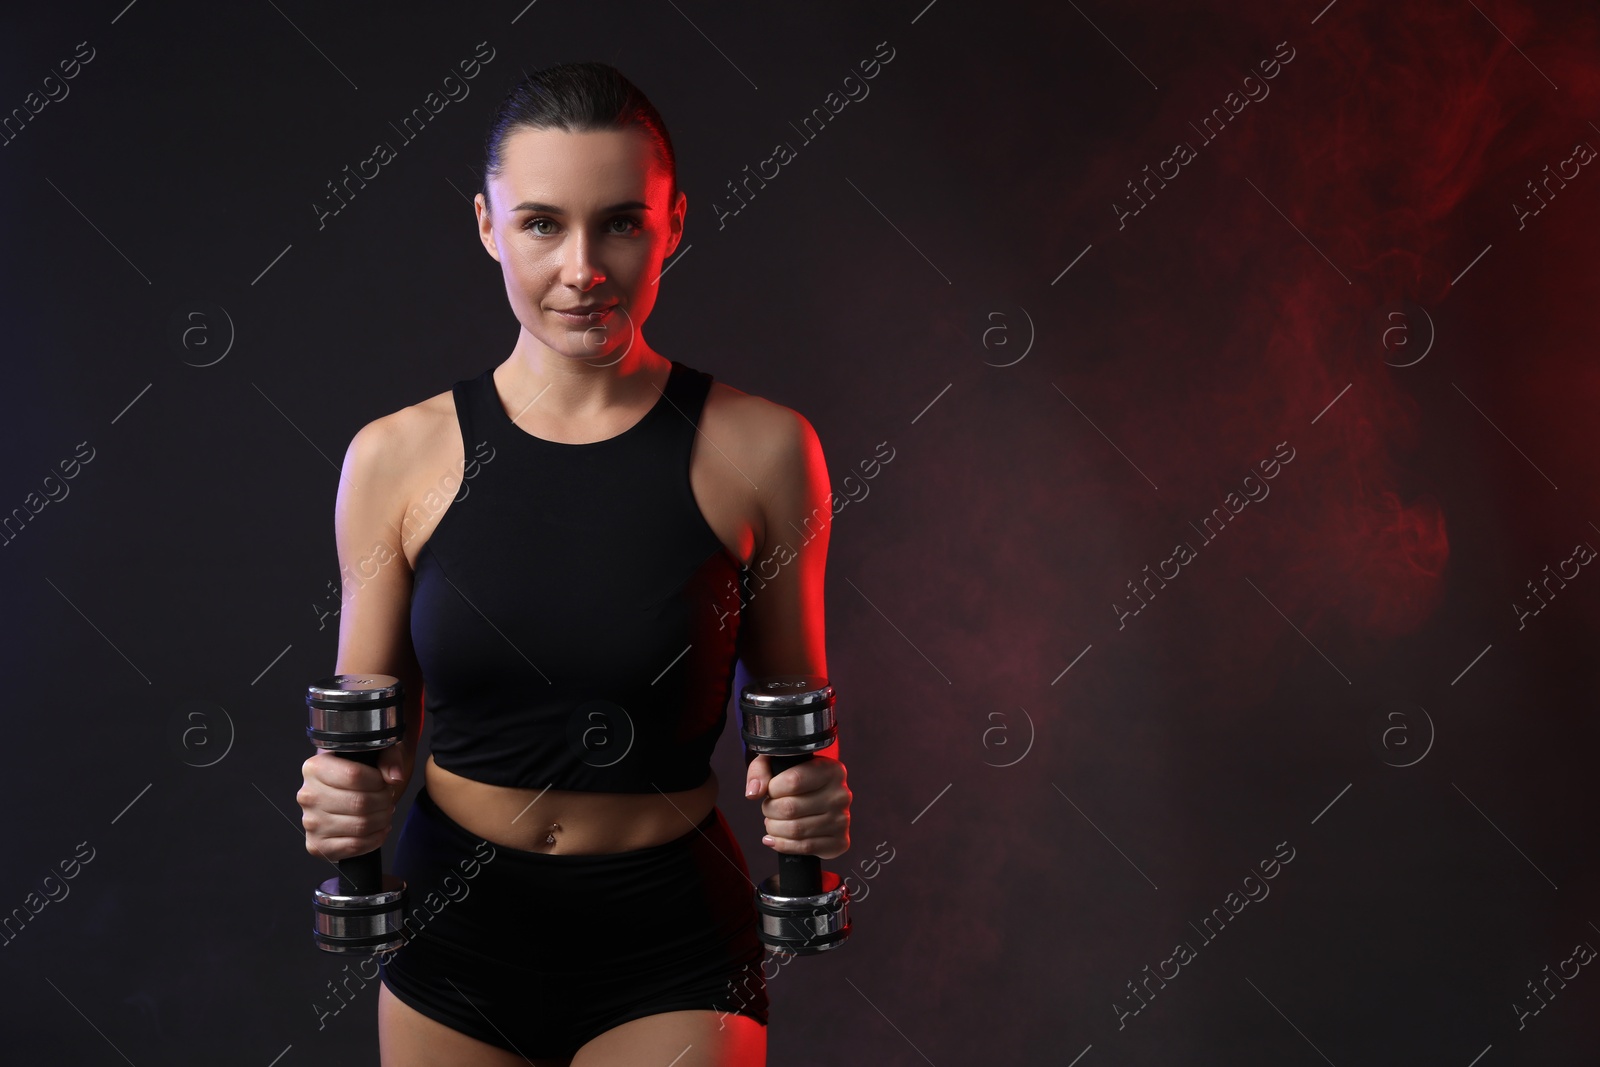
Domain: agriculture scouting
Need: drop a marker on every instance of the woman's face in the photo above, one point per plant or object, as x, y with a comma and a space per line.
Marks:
581, 219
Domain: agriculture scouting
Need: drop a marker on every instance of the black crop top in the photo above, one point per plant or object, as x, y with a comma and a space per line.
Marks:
575, 617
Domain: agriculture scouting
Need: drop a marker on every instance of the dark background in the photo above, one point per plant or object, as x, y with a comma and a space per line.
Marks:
1342, 672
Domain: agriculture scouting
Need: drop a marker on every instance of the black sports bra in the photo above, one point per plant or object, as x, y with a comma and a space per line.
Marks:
575, 617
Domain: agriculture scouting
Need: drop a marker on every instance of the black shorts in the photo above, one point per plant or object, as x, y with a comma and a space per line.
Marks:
539, 952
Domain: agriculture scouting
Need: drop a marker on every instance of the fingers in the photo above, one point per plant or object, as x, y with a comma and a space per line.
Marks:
757, 775
806, 808
825, 824
814, 775
801, 805
391, 764
337, 836
348, 802
813, 824
348, 807
824, 836
347, 775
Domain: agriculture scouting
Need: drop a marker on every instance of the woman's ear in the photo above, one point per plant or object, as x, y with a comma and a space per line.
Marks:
485, 226
675, 215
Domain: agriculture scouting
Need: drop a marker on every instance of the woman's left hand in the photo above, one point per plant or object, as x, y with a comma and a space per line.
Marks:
807, 807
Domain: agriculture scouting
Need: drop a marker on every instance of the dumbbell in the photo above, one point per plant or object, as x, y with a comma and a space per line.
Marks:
803, 909
360, 910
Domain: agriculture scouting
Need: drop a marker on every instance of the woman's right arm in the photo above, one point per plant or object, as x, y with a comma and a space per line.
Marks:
348, 806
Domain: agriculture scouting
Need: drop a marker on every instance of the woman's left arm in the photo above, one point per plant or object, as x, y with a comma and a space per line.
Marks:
807, 807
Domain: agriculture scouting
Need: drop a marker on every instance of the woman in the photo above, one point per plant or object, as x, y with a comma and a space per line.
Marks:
574, 613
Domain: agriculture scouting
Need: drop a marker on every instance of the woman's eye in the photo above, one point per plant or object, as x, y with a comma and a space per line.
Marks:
631, 225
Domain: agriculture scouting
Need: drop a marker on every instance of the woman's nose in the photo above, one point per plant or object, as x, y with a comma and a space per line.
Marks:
579, 267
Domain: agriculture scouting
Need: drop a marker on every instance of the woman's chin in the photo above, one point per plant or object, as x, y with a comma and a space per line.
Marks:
578, 348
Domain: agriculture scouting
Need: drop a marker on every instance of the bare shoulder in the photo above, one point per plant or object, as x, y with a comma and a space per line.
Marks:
770, 458
787, 489
385, 464
393, 460
754, 429
393, 446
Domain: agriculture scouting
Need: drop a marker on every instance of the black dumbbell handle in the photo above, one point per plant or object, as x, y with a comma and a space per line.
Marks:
363, 873
798, 876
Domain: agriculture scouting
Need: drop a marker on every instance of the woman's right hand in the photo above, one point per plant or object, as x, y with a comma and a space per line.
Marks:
348, 806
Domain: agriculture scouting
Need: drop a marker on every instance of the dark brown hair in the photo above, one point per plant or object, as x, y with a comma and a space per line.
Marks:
578, 98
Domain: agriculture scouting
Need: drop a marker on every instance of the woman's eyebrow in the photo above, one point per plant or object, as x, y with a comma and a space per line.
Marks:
533, 205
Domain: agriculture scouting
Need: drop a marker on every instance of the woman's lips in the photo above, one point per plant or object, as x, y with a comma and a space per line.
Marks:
585, 318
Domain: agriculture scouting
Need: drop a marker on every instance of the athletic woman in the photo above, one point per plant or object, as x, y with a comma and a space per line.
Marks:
559, 557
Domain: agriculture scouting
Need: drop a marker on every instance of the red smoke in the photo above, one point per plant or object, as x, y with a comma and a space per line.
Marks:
1395, 142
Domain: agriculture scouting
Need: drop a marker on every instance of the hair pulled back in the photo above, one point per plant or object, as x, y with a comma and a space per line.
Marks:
577, 98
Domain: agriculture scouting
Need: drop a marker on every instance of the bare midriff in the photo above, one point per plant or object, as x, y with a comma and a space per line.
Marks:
596, 823
580, 822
